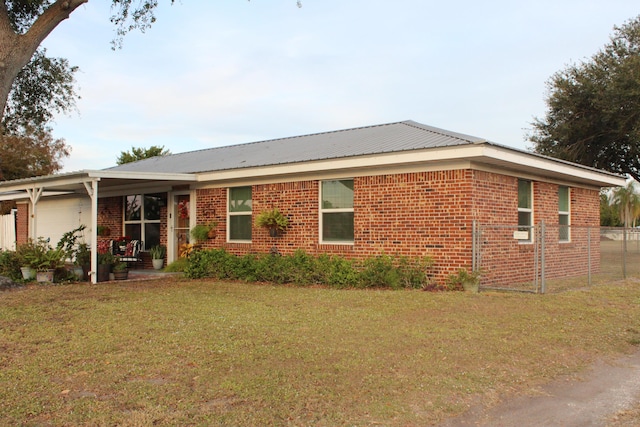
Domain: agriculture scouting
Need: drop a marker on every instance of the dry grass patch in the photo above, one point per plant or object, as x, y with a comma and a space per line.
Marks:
209, 353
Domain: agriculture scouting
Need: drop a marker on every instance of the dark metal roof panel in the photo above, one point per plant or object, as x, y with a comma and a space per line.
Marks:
369, 140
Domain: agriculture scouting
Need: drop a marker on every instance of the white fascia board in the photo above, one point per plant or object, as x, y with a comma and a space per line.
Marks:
154, 176
543, 166
499, 159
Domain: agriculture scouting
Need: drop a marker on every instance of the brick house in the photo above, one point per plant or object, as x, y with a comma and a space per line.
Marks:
399, 188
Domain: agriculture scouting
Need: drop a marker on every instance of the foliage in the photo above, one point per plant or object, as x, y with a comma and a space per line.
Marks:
31, 154
27, 23
609, 214
627, 201
69, 243
158, 251
40, 255
43, 88
272, 219
177, 266
200, 232
463, 280
105, 256
141, 153
10, 264
302, 269
118, 264
593, 108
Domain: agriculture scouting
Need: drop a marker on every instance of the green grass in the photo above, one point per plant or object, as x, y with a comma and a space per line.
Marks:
208, 353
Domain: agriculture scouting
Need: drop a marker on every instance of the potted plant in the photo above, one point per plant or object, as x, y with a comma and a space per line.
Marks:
464, 280
273, 220
203, 232
103, 230
120, 270
73, 250
47, 263
83, 259
26, 253
157, 256
105, 260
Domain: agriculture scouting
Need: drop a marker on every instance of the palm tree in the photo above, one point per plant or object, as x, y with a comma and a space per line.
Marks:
628, 203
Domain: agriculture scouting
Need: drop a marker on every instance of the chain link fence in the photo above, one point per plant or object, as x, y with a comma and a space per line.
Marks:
551, 258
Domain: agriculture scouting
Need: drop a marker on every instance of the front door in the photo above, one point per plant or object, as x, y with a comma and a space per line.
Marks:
181, 224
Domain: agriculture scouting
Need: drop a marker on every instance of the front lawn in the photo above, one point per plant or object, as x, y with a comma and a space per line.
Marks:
208, 353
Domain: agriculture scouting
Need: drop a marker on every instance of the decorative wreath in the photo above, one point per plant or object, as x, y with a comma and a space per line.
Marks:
183, 209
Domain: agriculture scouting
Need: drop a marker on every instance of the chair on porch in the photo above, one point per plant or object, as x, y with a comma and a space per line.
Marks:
131, 252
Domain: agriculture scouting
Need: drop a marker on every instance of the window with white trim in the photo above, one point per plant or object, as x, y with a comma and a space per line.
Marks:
564, 214
336, 211
239, 214
142, 217
525, 209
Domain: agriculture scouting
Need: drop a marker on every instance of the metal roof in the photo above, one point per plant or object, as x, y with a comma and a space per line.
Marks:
385, 138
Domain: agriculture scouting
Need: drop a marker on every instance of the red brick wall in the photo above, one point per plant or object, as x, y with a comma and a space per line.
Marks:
22, 223
415, 215
504, 260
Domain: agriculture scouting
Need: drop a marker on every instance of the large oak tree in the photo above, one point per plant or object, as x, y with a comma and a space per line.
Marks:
593, 115
25, 24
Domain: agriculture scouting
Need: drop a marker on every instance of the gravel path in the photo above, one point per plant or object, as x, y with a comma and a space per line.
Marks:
591, 398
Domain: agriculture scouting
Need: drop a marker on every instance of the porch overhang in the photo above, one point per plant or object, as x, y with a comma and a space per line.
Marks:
86, 182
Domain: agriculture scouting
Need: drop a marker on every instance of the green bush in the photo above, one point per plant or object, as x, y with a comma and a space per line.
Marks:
10, 264
303, 269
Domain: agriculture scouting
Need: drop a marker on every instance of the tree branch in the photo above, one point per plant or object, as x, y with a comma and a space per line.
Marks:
49, 20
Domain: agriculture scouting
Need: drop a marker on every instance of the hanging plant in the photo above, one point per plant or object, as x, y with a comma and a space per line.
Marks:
273, 220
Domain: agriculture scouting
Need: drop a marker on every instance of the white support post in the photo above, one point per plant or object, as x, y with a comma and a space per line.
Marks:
92, 190
34, 196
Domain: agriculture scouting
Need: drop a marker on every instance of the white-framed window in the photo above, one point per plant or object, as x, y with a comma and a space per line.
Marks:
336, 211
142, 218
564, 214
239, 214
525, 209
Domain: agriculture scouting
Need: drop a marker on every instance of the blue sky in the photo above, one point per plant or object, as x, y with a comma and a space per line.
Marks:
213, 73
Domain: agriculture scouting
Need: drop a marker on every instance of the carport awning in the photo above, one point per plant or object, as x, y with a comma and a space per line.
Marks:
75, 182
86, 182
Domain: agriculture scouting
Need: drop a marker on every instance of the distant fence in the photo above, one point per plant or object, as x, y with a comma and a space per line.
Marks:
8, 231
550, 258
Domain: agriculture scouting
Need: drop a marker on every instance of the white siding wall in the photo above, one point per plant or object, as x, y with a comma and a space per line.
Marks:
56, 216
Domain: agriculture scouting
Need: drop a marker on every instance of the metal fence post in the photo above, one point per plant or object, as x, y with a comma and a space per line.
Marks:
589, 256
624, 253
474, 237
542, 261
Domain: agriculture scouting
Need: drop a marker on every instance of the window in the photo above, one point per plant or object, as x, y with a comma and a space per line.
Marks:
239, 214
142, 218
564, 231
336, 211
525, 208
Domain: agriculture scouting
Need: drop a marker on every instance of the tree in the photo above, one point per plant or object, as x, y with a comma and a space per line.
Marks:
43, 87
628, 203
31, 154
593, 115
609, 215
141, 153
25, 24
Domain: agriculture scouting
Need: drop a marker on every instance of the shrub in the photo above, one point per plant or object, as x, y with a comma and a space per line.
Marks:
10, 264
303, 269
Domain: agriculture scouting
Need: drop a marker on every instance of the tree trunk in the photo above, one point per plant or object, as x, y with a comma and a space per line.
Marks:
17, 49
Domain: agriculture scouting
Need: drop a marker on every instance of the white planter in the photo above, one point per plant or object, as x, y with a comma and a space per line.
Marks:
44, 276
157, 263
28, 273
